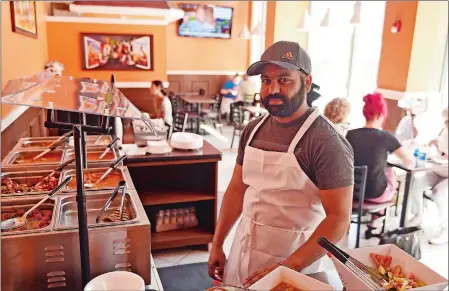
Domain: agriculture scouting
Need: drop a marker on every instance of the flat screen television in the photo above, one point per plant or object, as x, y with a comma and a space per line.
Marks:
205, 21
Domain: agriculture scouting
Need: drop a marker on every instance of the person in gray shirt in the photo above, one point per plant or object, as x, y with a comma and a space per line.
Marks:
292, 182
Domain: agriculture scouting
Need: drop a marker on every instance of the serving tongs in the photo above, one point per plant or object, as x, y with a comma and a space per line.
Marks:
109, 147
58, 169
370, 276
111, 168
54, 145
17, 222
114, 217
98, 139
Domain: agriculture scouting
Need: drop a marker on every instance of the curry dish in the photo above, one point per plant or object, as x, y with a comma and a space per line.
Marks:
27, 158
95, 156
111, 181
284, 287
38, 218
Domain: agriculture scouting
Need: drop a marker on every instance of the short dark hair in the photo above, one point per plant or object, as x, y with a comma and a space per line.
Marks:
158, 83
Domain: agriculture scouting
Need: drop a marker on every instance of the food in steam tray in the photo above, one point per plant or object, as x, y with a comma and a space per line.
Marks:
37, 219
396, 279
37, 144
284, 287
95, 156
27, 158
10, 186
110, 181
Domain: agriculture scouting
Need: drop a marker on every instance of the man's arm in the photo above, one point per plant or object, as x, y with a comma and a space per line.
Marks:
337, 204
231, 207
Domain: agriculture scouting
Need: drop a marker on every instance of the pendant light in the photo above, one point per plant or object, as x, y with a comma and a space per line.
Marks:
356, 17
245, 34
306, 19
258, 30
326, 19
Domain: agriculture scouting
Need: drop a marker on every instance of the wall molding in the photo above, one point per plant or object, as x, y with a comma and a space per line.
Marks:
11, 117
391, 94
205, 72
104, 20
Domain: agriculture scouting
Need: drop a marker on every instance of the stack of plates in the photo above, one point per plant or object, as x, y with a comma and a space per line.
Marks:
186, 141
158, 147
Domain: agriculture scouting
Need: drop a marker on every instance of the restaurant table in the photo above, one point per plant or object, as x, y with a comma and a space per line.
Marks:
199, 100
429, 166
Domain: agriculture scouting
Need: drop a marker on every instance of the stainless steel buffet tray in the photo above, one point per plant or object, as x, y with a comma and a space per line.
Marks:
10, 205
23, 177
40, 164
90, 139
99, 171
31, 143
111, 156
67, 213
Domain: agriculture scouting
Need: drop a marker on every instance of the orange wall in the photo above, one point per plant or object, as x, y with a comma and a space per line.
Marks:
271, 18
188, 53
22, 55
396, 48
64, 45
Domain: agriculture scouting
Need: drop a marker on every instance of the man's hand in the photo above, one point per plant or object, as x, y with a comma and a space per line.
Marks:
256, 276
216, 264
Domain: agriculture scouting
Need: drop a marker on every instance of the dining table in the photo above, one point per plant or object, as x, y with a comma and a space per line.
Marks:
429, 166
199, 101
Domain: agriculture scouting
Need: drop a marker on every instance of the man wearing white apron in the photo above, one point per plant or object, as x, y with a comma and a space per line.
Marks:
292, 182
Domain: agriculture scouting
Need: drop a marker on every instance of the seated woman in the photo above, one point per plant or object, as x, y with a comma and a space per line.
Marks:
371, 147
162, 105
337, 111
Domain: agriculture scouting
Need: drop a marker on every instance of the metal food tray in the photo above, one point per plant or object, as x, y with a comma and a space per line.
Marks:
24, 143
98, 149
123, 171
67, 213
90, 139
27, 202
26, 176
7, 163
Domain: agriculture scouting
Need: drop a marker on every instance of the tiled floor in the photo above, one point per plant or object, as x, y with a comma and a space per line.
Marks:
436, 257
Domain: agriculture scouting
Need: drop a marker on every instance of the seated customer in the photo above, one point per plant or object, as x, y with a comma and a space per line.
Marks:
162, 105
230, 93
337, 111
371, 147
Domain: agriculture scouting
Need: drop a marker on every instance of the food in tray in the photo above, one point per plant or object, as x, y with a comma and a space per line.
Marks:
95, 156
27, 158
10, 186
37, 219
111, 180
284, 287
397, 280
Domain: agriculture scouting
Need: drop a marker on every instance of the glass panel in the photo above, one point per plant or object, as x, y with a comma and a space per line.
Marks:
43, 90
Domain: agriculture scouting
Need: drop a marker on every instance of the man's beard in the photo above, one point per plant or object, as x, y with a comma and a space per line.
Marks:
288, 106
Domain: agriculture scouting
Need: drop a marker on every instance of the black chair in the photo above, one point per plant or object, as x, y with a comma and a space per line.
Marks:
236, 119
360, 174
213, 113
179, 123
377, 211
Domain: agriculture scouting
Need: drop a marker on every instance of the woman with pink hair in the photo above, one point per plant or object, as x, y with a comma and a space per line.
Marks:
372, 145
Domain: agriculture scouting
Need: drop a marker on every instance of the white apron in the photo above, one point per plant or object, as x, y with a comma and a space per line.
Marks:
281, 209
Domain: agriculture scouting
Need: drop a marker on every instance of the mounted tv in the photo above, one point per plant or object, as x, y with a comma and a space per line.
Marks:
205, 21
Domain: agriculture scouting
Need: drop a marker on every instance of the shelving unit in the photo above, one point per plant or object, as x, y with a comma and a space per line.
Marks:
178, 180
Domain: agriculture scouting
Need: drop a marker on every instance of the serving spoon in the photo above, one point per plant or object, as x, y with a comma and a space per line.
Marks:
53, 145
111, 168
17, 222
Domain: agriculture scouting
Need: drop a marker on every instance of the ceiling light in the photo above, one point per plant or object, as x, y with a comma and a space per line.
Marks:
356, 17
326, 20
245, 34
258, 30
305, 23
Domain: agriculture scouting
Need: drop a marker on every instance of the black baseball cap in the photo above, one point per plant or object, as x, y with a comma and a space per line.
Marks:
286, 54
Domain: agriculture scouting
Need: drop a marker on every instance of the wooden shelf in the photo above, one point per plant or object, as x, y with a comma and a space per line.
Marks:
180, 237
159, 198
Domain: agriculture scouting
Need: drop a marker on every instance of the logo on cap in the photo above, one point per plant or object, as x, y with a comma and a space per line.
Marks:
288, 56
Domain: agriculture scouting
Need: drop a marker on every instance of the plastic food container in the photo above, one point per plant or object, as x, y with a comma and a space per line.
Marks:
286, 275
408, 264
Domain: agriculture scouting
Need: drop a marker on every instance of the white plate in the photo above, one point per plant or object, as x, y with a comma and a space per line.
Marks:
159, 151
186, 141
117, 280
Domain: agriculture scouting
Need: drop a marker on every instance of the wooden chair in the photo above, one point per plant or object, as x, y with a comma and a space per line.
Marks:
179, 123
360, 174
236, 119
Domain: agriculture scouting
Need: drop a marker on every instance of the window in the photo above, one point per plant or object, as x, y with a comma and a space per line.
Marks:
444, 81
259, 11
345, 58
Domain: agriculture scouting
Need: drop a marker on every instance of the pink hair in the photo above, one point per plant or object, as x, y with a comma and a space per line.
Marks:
375, 106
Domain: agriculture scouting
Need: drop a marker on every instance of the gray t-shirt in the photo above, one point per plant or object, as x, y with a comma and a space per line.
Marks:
324, 155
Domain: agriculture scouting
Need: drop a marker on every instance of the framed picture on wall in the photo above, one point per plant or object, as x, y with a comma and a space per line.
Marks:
117, 51
23, 17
